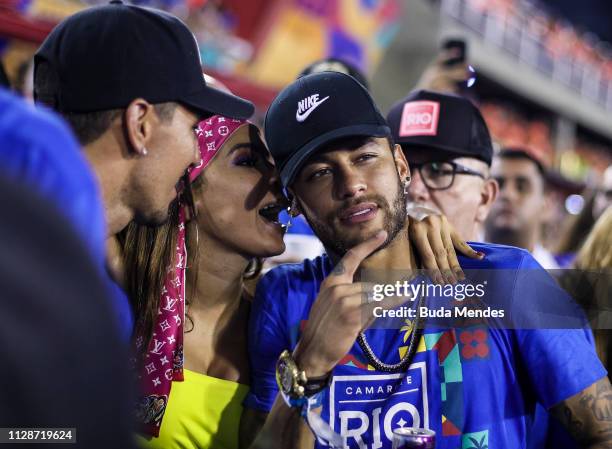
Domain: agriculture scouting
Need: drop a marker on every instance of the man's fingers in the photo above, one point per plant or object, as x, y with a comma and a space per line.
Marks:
460, 73
391, 302
446, 54
359, 314
388, 303
365, 289
347, 266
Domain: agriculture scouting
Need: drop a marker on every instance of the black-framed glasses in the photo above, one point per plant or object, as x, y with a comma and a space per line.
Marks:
441, 175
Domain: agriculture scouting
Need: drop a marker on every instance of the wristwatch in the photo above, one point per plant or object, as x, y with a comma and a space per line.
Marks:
292, 382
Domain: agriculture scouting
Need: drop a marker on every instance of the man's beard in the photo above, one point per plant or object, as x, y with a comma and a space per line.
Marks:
154, 219
394, 219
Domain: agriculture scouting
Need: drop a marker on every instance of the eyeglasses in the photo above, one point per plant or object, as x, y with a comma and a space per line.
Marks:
441, 175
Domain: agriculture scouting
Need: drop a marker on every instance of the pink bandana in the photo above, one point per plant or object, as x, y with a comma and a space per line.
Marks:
163, 362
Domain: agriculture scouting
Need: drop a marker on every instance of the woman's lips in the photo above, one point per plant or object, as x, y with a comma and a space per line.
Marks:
278, 227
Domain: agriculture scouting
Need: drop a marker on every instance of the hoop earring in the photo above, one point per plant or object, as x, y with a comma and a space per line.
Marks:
197, 237
286, 226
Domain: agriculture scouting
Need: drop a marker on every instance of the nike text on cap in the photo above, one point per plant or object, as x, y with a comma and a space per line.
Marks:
312, 112
105, 57
448, 126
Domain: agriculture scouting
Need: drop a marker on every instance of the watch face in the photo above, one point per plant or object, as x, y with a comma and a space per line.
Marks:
286, 378
287, 381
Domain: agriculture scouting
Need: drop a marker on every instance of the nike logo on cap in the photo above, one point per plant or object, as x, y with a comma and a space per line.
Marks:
307, 105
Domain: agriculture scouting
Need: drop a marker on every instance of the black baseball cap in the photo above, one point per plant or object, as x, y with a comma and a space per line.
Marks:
448, 125
314, 111
104, 57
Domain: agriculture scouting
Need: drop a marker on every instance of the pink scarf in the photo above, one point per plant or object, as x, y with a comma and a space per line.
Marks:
163, 362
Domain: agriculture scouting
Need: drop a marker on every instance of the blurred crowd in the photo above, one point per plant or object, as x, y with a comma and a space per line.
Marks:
559, 37
578, 58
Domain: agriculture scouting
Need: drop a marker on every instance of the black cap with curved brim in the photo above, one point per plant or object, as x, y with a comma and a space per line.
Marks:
104, 57
446, 125
210, 99
314, 111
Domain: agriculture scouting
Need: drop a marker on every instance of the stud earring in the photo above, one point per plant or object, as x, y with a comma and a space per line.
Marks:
406, 184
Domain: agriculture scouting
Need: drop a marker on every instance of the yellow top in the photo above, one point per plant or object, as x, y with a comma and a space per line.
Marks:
203, 413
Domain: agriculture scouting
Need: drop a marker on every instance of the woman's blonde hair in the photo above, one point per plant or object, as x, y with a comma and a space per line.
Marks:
596, 253
594, 263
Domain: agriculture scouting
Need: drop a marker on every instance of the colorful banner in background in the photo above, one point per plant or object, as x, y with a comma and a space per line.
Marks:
16, 53
284, 36
302, 31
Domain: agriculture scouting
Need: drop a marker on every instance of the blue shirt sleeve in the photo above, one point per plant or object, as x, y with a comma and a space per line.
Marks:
122, 309
560, 362
268, 337
38, 149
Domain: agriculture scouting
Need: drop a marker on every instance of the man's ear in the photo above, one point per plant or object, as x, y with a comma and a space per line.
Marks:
488, 195
403, 169
139, 121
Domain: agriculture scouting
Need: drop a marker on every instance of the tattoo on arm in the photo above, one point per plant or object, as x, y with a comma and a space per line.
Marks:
574, 425
600, 403
588, 415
